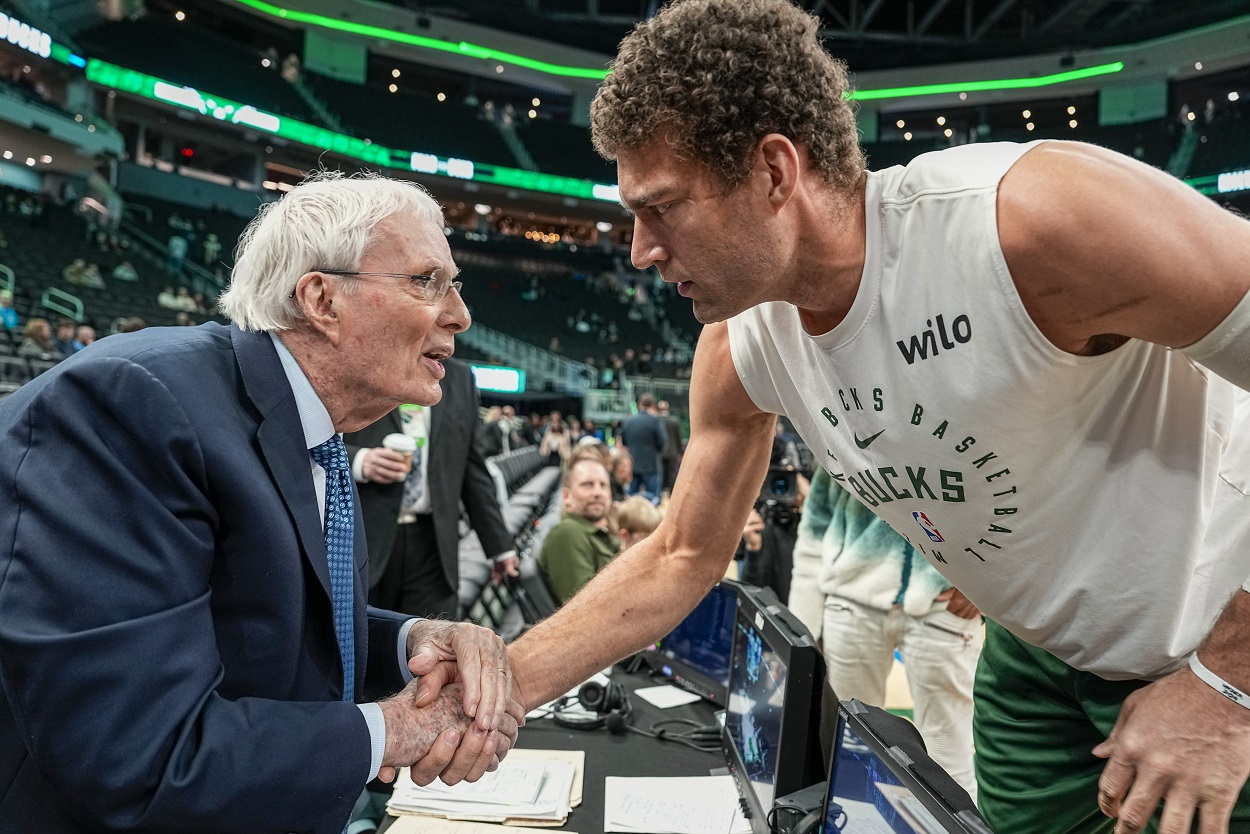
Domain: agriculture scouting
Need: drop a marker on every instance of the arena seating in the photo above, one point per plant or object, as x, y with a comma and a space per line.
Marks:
196, 58
526, 487
38, 251
565, 149
1224, 145
413, 121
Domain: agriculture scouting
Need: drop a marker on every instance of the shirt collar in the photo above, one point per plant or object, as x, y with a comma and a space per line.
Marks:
313, 416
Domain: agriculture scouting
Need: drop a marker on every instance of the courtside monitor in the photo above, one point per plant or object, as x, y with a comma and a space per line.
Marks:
772, 716
881, 779
695, 654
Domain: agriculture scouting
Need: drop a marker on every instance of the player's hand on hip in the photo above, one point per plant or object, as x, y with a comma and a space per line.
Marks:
958, 604
1178, 741
480, 664
383, 466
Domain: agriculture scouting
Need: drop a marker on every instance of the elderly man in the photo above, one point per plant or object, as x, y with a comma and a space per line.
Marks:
996, 349
184, 643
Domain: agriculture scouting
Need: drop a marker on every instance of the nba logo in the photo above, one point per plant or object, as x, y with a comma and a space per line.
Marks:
930, 529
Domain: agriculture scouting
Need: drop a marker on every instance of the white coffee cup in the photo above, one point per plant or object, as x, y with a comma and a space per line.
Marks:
403, 444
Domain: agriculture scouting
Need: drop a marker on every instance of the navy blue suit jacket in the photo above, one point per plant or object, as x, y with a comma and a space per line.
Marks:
168, 659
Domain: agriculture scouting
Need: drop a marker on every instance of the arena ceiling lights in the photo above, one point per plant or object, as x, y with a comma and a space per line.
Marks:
593, 73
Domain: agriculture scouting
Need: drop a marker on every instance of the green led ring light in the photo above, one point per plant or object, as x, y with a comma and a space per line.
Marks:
462, 48
991, 84
486, 53
233, 112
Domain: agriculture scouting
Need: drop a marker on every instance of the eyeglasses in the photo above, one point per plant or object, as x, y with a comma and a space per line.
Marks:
433, 286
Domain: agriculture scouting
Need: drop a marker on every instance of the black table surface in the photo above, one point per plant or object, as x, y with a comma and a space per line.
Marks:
627, 754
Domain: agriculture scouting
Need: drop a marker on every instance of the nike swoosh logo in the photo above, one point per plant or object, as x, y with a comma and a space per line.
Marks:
866, 442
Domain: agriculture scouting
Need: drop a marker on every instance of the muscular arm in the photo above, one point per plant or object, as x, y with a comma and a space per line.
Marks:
649, 588
1102, 249
1100, 245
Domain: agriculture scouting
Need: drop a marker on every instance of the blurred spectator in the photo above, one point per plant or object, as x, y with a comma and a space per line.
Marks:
125, 271
166, 298
212, 248
75, 272
672, 449
645, 436
132, 324
183, 319
64, 338
581, 544
8, 316
555, 446
176, 251
201, 304
533, 432
185, 302
83, 336
622, 473
91, 277
38, 343
636, 519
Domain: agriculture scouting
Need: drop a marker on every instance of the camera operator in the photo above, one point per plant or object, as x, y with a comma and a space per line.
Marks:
766, 551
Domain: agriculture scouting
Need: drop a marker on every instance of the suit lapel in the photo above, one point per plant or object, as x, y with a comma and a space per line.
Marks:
281, 441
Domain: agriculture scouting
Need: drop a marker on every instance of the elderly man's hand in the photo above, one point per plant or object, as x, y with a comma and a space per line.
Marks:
1177, 741
479, 663
439, 739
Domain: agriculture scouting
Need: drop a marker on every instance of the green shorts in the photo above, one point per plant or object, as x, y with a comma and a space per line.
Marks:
1035, 721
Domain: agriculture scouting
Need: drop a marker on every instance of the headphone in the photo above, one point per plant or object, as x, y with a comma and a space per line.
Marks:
610, 704
612, 709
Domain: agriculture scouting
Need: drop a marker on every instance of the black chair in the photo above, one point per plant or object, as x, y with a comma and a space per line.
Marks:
38, 366
13, 369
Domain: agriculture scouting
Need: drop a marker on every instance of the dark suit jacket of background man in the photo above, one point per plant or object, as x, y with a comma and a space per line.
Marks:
167, 649
457, 471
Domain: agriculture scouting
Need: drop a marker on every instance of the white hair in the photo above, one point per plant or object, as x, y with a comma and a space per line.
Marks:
325, 222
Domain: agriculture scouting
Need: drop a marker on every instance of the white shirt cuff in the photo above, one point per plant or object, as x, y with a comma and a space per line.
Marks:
403, 649
377, 736
358, 466
507, 554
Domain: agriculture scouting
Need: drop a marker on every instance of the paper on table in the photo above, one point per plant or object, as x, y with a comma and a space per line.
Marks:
666, 805
552, 802
666, 696
434, 825
518, 785
577, 758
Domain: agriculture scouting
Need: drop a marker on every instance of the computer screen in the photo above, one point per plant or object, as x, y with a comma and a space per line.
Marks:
772, 716
874, 789
696, 653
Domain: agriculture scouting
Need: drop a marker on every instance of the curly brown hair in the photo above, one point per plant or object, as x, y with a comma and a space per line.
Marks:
719, 75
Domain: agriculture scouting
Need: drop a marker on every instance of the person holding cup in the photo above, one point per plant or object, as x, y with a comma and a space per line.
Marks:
413, 468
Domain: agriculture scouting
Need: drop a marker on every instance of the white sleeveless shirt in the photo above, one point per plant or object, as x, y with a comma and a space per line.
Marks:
1095, 506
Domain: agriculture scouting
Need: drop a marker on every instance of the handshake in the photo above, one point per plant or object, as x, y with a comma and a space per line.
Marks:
459, 716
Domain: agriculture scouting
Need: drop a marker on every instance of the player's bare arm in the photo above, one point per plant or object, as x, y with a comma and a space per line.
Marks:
648, 589
1101, 246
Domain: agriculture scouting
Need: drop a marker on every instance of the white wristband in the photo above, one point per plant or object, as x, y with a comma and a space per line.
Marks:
1217, 683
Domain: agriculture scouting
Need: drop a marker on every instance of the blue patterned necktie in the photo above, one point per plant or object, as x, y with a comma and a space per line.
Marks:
339, 523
